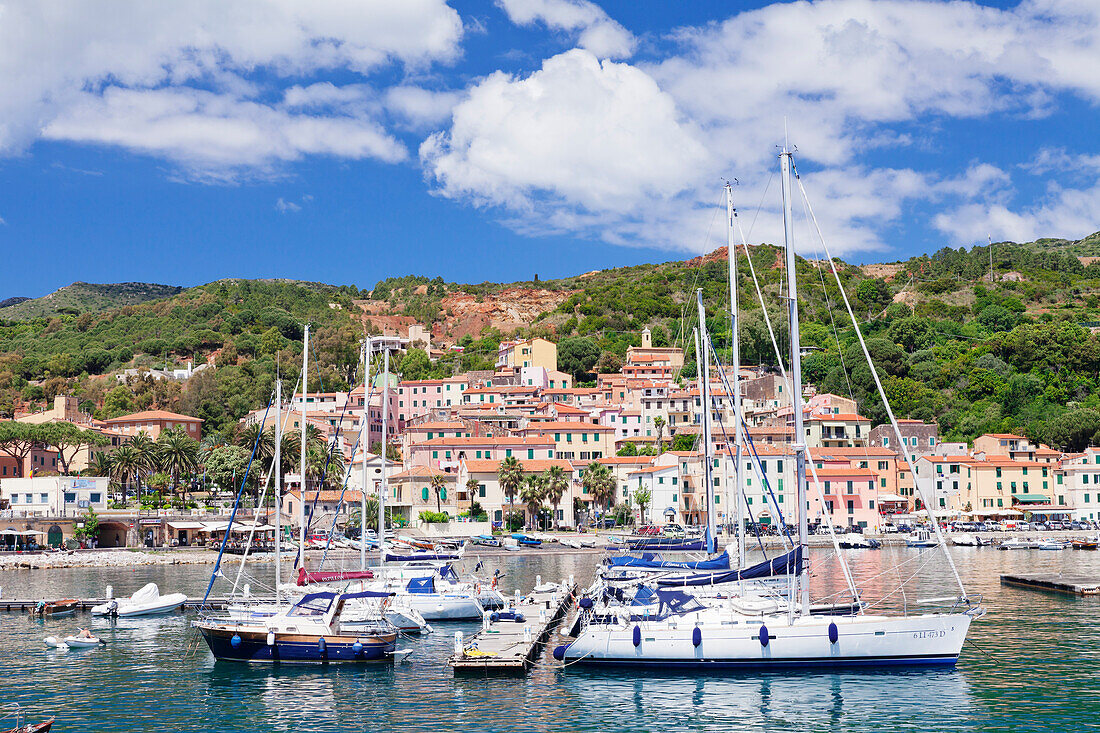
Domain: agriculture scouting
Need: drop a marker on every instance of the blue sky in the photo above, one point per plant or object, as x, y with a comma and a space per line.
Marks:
349, 141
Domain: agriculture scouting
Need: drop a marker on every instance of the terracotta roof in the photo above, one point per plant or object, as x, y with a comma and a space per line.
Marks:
422, 472
563, 426
436, 426
1007, 436
154, 415
653, 469
535, 465
350, 495
853, 452
497, 441
841, 416
619, 460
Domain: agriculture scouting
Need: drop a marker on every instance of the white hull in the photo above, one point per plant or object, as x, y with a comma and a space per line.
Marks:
146, 602
861, 641
444, 607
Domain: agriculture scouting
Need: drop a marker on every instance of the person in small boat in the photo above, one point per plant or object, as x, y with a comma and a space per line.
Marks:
85, 634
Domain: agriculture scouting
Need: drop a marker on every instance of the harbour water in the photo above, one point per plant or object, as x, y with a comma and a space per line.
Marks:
1031, 666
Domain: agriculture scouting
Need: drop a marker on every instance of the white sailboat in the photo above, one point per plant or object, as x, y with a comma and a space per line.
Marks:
687, 630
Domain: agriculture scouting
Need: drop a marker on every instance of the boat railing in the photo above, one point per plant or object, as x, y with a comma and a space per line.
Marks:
17, 716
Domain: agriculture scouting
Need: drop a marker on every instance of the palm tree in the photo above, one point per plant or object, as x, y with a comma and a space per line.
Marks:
439, 482
599, 482
146, 456
101, 464
557, 483
472, 488
124, 463
510, 477
659, 423
531, 494
179, 454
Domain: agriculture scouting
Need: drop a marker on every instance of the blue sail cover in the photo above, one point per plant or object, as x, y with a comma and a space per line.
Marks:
786, 564
421, 585
421, 556
651, 561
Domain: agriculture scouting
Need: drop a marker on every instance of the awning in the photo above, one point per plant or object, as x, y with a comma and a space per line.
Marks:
891, 497
186, 525
1007, 513
20, 532
1030, 499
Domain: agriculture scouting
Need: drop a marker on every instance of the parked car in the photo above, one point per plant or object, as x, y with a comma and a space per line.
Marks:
673, 530
889, 529
649, 530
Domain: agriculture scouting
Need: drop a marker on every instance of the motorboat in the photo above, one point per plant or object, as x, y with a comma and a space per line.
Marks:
486, 541
1015, 543
1052, 545
968, 540
856, 541
55, 608
146, 602
310, 631
921, 538
526, 540
1086, 544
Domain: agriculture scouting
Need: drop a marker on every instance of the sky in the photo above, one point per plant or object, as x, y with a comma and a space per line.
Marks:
346, 141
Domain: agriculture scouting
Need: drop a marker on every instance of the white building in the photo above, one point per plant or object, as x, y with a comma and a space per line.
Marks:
1080, 477
54, 496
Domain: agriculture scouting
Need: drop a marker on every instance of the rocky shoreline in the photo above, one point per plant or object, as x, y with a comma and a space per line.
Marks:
105, 559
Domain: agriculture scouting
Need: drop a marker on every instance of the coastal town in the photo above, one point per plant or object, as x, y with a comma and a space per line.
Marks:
623, 449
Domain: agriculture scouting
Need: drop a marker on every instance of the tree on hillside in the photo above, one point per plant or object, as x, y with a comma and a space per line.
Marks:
226, 464
19, 439
68, 439
577, 356
659, 425
415, 365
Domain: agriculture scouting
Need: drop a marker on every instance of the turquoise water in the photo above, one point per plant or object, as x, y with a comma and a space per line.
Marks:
1032, 666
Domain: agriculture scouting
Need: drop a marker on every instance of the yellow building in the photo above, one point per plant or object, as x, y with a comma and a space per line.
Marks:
535, 352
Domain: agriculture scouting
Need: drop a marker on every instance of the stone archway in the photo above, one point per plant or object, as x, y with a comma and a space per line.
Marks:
54, 536
113, 534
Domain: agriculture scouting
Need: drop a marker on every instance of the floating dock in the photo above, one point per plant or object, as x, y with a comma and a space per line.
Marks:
1077, 585
87, 604
507, 645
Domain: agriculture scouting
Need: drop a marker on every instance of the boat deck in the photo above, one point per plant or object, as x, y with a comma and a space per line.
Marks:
508, 646
1078, 585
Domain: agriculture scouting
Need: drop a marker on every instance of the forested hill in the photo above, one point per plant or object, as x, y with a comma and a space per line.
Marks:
1011, 354
84, 298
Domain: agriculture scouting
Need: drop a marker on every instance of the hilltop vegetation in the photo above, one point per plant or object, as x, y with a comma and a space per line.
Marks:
1011, 354
85, 298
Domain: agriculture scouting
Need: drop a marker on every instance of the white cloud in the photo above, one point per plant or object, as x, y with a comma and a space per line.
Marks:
846, 77
577, 134
420, 107
283, 206
127, 72
212, 135
588, 24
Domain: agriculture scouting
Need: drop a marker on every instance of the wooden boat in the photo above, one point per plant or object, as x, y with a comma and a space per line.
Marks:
55, 608
1084, 544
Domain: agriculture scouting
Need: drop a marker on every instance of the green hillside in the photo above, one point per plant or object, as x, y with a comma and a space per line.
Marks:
87, 298
1012, 354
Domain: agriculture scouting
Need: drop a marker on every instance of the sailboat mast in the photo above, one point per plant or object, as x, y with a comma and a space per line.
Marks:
739, 438
302, 464
277, 467
384, 486
364, 445
704, 395
799, 443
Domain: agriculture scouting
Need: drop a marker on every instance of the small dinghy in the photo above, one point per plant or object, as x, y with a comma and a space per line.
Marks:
73, 642
43, 727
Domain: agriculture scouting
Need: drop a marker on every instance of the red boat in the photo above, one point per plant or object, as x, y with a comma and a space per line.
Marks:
43, 727
55, 608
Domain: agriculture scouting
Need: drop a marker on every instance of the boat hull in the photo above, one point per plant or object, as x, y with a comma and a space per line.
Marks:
253, 648
914, 641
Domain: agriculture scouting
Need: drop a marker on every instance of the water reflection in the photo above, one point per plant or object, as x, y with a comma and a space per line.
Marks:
1037, 672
